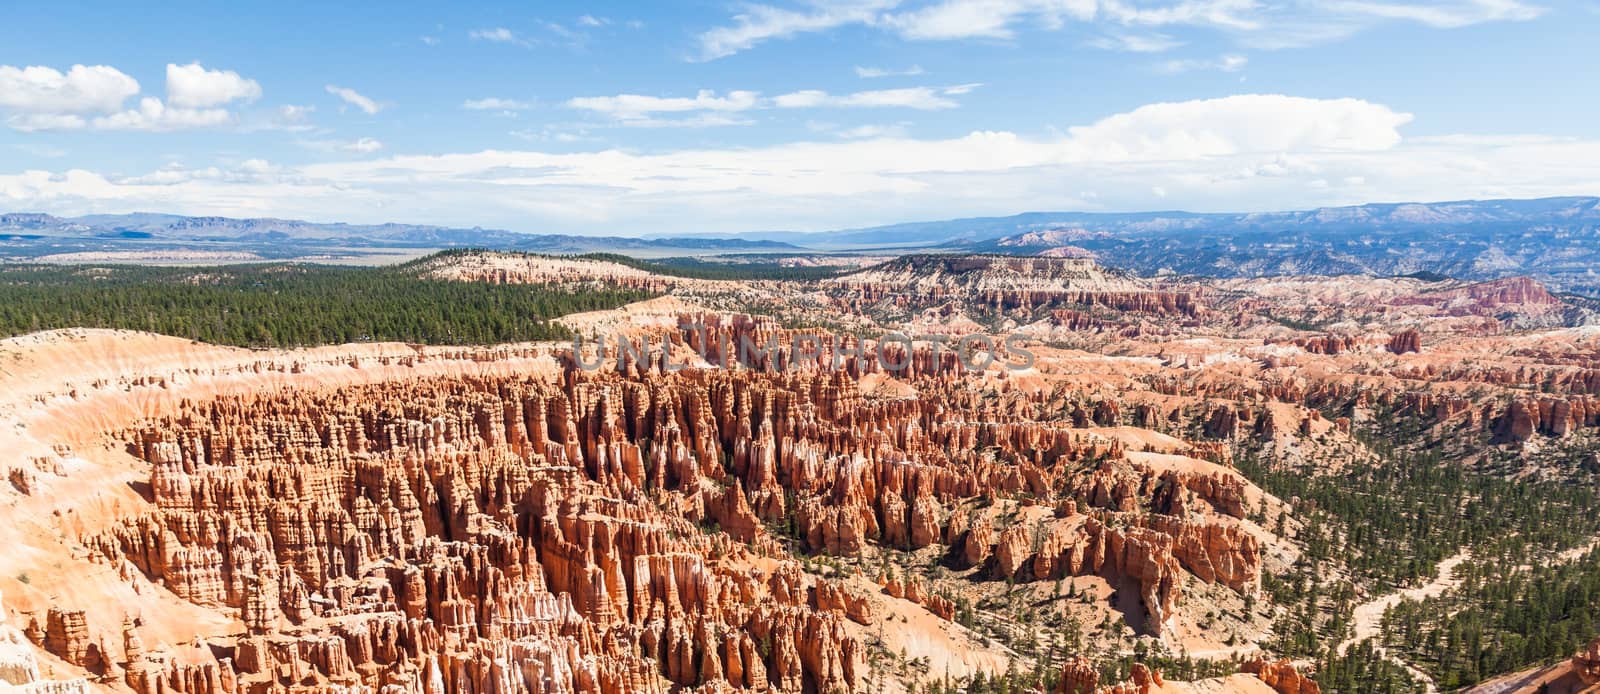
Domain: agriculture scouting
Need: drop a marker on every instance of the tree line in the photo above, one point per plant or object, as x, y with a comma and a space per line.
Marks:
289, 305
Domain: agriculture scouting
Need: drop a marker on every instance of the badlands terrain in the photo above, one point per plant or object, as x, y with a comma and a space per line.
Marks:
1290, 484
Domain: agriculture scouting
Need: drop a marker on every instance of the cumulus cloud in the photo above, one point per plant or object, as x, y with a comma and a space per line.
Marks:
81, 89
1242, 124
154, 116
193, 86
355, 98
1241, 153
42, 98
1249, 152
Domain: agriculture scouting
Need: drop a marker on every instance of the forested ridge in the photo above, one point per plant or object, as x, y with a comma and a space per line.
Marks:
1382, 523
756, 267
289, 305
1512, 610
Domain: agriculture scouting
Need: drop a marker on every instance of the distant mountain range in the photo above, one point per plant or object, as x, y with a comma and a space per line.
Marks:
1556, 240
36, 235
1376, 217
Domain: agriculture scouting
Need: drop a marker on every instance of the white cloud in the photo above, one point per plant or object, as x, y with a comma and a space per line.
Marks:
1224, 63
638, 106
497, 35
355, 98
1136, 43
1242, 124
150, 116
702, 120
873, 72
292, 118
1447, 14
154, 116
193, 86
592, 21
1246, 152
365, 145
1257, 23
35, 122
494, 104
42, 98
295, 114
922, 98
639, 110
760, 23
39, 89
960, 19
550, 133
870, 131
1227, 14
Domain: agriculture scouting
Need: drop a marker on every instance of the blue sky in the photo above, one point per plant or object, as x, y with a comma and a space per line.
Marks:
631, 118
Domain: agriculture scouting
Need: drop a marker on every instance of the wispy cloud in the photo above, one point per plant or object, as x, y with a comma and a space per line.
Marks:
292, 118
716, 110
1252, 22
922, 98
494, 103
355, 98
1223, 63
873, 131
875, 72
553, 33
703, 120
496, 35
551, 133
364, 145
1444, 15
638, 106
1136, 43
759, 23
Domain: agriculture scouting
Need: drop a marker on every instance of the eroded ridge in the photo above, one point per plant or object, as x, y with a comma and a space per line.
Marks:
551, 533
